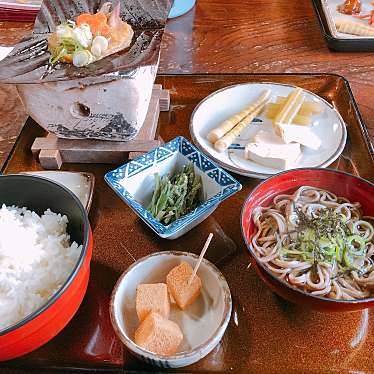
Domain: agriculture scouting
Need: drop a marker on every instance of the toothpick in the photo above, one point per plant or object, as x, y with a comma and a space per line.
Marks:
206, 245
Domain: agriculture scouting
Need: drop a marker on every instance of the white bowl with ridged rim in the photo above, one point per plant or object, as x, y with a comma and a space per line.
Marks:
203, 323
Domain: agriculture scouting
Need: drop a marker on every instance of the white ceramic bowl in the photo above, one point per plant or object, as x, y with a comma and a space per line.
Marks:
203, 323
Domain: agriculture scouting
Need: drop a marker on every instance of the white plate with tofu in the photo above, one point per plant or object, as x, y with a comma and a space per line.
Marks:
272, 137
348, 26
165, 318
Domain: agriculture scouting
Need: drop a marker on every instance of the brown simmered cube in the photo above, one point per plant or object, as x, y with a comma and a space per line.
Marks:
159, 335
183, 293
152, 298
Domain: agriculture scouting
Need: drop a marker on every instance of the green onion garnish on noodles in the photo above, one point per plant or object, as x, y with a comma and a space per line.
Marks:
326, 238
318, 242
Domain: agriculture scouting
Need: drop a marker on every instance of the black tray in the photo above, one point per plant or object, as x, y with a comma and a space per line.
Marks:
339, 44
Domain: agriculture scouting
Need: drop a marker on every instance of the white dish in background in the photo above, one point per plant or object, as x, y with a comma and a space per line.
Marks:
332, 14
220, 105
203, 323
81, 184
30, 6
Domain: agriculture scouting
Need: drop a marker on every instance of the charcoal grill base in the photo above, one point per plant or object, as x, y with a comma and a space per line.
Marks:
53, 152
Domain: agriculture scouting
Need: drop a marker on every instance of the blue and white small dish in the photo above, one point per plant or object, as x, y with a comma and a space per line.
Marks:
134, 183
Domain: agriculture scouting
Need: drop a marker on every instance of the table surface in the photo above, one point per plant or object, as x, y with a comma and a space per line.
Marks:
236, 36
239, 36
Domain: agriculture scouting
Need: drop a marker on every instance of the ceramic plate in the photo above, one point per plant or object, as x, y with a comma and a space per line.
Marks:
332, 14
220, 105
81, 184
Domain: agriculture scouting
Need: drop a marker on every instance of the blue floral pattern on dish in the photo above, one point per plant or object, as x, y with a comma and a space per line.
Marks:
227, 184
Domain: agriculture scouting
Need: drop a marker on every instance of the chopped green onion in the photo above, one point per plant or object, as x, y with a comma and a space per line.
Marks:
327, 239
366, 224
354, 249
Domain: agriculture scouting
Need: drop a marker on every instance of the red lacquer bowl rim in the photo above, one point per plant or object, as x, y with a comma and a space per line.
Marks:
262, 267
85, 245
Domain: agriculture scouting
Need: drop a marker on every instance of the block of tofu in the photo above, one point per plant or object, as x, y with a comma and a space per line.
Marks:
159, 335
269, 150
183, 293
152, 298
299, 134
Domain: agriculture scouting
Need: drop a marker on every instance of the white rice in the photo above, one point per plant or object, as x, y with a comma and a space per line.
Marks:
36, 258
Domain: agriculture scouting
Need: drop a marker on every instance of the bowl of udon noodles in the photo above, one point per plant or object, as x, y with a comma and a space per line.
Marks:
310, 236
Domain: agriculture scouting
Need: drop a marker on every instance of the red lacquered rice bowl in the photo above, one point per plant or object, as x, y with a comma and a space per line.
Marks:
39, 194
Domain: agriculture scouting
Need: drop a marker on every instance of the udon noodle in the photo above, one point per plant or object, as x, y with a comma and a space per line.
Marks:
317, 242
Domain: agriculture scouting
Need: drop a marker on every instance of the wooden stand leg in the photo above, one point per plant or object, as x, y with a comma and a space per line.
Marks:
50, 159
165, 101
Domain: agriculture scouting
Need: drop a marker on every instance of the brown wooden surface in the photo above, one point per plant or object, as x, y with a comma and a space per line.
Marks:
219, 36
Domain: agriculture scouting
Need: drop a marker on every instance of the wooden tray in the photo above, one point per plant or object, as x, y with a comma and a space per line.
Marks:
266, 333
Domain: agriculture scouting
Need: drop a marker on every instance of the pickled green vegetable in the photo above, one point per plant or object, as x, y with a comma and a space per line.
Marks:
177, 196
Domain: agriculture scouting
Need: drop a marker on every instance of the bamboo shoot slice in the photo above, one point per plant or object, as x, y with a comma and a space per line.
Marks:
289, 110
353, 28
273, 109
222, 144
307, 109
230, 123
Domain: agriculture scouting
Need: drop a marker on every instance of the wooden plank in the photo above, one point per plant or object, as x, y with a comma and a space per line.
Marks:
94, 146
53, 158
54, 152
86, 152
164, 97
